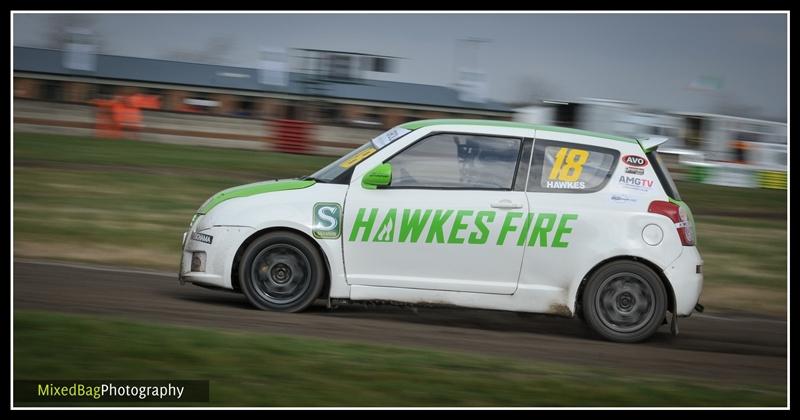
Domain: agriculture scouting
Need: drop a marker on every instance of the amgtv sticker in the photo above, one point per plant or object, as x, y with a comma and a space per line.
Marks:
636, 183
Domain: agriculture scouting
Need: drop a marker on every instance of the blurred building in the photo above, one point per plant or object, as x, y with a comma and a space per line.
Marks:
40, 74
716, 137
712, 148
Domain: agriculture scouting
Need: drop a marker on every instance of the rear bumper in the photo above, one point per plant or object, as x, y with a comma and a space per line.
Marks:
686, 281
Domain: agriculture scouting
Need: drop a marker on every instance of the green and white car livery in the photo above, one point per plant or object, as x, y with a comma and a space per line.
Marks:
482, 214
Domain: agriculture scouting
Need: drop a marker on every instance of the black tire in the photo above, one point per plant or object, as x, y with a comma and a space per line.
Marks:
624, 301
281, 271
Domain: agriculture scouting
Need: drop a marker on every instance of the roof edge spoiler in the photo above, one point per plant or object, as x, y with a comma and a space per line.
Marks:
649, 144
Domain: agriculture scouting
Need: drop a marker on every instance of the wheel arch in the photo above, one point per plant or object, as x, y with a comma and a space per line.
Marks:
646, 262
238, 256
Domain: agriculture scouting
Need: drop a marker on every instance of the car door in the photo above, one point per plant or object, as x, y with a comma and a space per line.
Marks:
439, 224
576, 215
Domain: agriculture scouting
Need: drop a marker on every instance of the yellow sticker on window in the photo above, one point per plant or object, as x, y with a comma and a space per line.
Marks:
358, 157
569, 164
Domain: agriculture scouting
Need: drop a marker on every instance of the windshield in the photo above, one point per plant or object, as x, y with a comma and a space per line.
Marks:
334, 172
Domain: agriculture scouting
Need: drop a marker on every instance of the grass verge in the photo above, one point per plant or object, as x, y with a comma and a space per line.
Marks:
246, 369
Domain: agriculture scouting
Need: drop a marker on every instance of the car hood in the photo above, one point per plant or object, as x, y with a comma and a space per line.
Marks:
253, 189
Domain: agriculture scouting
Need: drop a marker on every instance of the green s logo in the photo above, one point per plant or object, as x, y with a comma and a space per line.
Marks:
327, 221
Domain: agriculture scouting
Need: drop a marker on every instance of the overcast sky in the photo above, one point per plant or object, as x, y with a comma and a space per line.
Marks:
649, 59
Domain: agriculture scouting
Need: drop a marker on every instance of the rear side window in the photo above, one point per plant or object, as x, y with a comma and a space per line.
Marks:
570, 167
663, 175
457, 161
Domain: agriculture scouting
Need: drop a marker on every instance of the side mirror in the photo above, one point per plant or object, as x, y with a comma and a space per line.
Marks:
380, 176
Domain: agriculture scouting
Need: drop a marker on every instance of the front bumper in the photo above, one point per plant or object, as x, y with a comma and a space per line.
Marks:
218, 255
686, 280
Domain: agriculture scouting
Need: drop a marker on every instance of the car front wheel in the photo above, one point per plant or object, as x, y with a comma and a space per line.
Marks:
281, 271
624, 301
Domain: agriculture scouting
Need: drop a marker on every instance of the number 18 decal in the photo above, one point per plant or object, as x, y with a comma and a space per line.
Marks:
568, 164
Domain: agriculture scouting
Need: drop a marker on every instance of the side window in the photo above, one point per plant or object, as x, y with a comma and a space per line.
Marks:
570, 167
457, 161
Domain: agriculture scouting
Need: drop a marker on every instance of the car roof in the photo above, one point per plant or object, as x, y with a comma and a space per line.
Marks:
413, 125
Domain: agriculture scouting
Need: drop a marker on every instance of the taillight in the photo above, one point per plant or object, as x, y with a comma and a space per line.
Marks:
678, 216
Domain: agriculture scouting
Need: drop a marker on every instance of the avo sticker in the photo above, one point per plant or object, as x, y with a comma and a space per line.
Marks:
633, 160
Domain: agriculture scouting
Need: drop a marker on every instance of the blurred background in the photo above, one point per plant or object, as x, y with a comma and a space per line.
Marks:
125, 123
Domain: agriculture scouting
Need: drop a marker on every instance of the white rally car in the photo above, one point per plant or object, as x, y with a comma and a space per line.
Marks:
481, 214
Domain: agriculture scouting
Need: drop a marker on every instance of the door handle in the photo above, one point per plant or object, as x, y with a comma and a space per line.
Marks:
506, 204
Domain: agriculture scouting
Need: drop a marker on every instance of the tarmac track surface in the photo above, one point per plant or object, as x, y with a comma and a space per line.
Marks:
736, 348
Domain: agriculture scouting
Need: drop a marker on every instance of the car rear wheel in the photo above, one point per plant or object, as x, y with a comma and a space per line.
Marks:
624, 301
281, 271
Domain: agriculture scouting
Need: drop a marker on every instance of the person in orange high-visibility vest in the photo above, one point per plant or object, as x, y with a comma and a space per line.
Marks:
104, 123
153, 102
132, 115
739, 150
118, 109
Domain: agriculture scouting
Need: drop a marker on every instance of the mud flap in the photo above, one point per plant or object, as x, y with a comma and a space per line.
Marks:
673, 326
